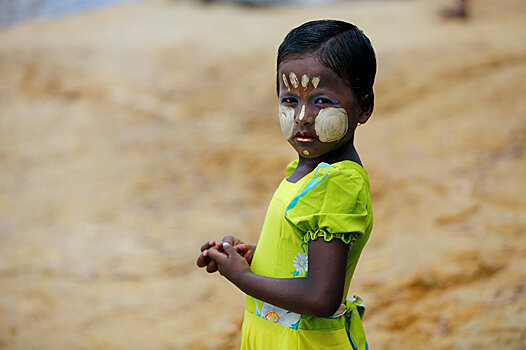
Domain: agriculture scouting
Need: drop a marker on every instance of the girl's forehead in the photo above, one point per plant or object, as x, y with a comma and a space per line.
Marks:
306, 65
310, 67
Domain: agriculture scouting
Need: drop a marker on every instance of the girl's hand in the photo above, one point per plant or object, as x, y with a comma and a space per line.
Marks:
244, 249
204, 260
229, 262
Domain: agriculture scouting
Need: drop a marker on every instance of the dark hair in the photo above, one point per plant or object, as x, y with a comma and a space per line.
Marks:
338, 45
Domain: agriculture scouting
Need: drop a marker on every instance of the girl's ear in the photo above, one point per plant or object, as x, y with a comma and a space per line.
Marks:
366, 105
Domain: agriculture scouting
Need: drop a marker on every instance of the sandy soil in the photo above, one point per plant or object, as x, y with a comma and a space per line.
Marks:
130, 135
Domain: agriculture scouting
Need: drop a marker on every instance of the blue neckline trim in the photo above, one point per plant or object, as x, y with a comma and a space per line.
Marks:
312, 184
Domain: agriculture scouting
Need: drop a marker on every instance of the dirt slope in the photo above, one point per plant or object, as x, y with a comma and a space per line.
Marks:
130, 135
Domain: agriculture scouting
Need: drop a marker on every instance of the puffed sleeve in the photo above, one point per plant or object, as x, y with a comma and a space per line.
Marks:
334, 204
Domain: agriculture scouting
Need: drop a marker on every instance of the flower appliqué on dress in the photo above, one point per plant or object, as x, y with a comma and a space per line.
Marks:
301, 262
272, 317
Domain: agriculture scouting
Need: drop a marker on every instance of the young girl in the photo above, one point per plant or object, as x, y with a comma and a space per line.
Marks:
320, 217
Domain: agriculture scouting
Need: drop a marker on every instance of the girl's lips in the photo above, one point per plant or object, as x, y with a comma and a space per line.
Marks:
304, 137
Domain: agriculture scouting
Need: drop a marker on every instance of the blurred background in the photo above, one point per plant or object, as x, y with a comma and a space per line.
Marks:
133, 131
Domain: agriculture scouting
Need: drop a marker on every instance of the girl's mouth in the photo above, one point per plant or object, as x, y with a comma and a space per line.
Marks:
304, 137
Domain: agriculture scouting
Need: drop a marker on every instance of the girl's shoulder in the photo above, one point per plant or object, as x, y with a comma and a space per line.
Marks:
345, 179
333, 200
346, 169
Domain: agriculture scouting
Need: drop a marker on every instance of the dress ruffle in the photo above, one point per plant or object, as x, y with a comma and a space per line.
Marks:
348, 238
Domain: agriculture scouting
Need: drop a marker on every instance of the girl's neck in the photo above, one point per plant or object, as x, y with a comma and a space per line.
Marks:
307, 165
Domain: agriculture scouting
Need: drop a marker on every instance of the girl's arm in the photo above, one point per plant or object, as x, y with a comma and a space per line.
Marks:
319, 294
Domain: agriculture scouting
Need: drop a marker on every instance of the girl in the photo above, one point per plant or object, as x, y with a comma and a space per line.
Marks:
320, 217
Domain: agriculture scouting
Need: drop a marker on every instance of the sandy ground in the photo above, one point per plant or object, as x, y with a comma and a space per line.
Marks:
130, 135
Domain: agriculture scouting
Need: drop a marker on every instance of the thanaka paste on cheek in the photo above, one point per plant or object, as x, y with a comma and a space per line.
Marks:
286, 120
294, 80
286, 82
331, 124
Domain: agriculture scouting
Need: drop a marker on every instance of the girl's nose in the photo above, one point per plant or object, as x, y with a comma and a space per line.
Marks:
305, 115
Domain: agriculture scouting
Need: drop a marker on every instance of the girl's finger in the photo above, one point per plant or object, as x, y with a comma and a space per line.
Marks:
242, 248
248, 256
228, 249
202, 260
211, 267
216, 255
229, 239
208, 245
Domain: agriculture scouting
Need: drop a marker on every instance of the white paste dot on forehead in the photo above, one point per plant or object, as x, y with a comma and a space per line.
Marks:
302, 113
294, 80
305, 152
331, 124
304, 80
315, 81
286, 120
285, 81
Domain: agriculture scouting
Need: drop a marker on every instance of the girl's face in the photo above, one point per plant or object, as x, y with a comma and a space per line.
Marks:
318, 111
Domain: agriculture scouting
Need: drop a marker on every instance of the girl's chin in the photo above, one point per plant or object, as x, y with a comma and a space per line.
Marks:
308, 153
313, 149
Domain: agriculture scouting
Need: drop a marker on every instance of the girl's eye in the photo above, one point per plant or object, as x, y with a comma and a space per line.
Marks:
289, 100
324, 101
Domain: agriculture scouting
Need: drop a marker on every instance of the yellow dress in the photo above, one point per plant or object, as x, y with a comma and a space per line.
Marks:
332, 201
